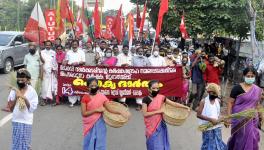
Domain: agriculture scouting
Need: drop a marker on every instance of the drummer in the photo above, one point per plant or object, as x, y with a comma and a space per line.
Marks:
92, 107
156, 129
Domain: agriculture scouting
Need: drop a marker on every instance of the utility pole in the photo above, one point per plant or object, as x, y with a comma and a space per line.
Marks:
251, 12
18, 14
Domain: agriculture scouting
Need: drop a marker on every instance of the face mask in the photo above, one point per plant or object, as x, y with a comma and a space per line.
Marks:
108, 54
140, 54
184, 62
169, 56
212, 97
94, 90
154, 93
32, 51
21, 85
148, 55
156, 53
125, 52
249, 80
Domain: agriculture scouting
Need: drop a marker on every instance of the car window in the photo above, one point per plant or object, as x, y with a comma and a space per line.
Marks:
5, 39
19, 38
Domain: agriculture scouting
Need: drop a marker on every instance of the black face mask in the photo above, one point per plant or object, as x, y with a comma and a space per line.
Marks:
32, 51
148, 55
94, 90
212, 97
125, 52
154, 93
21, 85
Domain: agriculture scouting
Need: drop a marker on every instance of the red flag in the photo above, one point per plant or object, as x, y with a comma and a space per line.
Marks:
130, 29
79, 24
50, 16
164, 7
117, 26
65, 11
84, 17
183, 29
59, 20
36, 28
138, 17
97, 21
109, 23
143, 19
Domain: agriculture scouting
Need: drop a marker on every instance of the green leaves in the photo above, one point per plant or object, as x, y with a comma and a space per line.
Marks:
208, 17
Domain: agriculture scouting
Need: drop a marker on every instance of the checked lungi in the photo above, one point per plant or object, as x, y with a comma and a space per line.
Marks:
21, 136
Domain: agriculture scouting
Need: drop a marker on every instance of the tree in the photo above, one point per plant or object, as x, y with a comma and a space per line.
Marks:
14, 14
207, 17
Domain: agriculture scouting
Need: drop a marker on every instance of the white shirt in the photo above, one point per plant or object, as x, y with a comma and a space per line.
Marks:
25, 116
211, 111
124, 59
178, 59
33, 63
49, 57
158, 61
73, 57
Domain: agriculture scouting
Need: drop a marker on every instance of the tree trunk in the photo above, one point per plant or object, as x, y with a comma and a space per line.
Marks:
235, 73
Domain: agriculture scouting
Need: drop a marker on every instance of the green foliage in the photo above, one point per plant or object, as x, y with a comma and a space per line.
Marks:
207, 17
14, 14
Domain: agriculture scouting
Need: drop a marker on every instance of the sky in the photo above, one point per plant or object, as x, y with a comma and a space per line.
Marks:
115, 4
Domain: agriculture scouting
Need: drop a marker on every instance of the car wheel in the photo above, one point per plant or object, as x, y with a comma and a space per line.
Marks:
9, 65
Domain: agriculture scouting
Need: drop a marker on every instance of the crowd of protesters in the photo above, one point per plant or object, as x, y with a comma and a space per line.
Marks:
202, 67
200, 64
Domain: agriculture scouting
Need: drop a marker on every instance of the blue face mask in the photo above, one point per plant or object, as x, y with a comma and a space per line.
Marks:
249, 80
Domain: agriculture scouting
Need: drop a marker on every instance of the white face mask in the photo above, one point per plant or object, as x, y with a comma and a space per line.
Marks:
108, 54
156, 53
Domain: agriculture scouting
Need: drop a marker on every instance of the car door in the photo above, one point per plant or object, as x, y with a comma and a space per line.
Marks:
19, 50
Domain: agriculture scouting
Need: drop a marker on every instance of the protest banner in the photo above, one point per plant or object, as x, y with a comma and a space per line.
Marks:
117, 82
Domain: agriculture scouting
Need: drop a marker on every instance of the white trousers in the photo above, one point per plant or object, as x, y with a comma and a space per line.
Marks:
73, 99
139, 100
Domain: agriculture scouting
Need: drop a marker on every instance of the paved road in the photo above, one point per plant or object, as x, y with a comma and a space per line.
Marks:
60, 128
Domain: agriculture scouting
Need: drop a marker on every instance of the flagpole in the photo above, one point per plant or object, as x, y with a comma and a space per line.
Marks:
141, 20
71, 21
38, 24
154, 42
101, 4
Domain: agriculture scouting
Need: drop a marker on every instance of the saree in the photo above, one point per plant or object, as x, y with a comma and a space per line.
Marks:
156, 128
94, 128
110, 61
96, 138
244, 131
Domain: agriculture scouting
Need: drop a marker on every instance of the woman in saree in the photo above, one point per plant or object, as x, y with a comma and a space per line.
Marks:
109, 59
92, 107
244, 131
156, 129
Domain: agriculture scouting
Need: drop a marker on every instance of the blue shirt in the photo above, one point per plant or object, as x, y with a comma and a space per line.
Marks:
197, 74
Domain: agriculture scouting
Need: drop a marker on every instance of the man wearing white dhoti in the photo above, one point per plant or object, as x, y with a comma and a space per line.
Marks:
75, 57
49, 66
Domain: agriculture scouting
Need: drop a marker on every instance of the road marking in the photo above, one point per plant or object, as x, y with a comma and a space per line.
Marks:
5, 119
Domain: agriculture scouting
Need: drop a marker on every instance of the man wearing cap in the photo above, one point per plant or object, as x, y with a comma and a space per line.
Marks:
9, 98
23, 102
